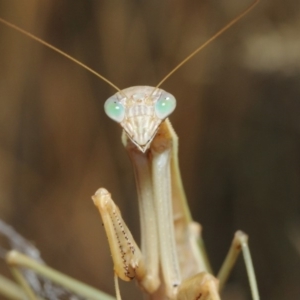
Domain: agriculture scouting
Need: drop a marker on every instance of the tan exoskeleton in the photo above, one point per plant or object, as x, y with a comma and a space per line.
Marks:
171, 242
172, 263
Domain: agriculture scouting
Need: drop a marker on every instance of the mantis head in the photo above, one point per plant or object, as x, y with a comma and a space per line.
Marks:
140, 110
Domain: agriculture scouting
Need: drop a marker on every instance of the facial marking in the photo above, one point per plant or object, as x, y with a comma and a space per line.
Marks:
145, 108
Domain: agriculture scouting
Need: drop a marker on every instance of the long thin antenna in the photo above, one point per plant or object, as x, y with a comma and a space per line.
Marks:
58, 51
231, 23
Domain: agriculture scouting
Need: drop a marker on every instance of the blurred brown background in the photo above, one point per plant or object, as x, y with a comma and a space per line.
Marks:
237, 119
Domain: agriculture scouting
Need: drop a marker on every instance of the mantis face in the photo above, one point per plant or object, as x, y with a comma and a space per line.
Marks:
140, 110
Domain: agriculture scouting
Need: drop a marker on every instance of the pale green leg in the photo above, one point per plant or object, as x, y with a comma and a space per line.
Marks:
23, 283
17, 260
239, 243
11, 290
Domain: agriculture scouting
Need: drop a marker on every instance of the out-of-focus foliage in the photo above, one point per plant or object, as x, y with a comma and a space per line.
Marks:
237, 119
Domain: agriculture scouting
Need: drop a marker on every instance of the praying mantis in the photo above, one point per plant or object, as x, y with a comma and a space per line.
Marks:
173, 287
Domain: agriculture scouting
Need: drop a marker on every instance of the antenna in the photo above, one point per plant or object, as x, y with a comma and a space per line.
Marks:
33, 37
225, 28
216, 35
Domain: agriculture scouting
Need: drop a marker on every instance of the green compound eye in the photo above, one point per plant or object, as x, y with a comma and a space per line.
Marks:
114, 109
165, 105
